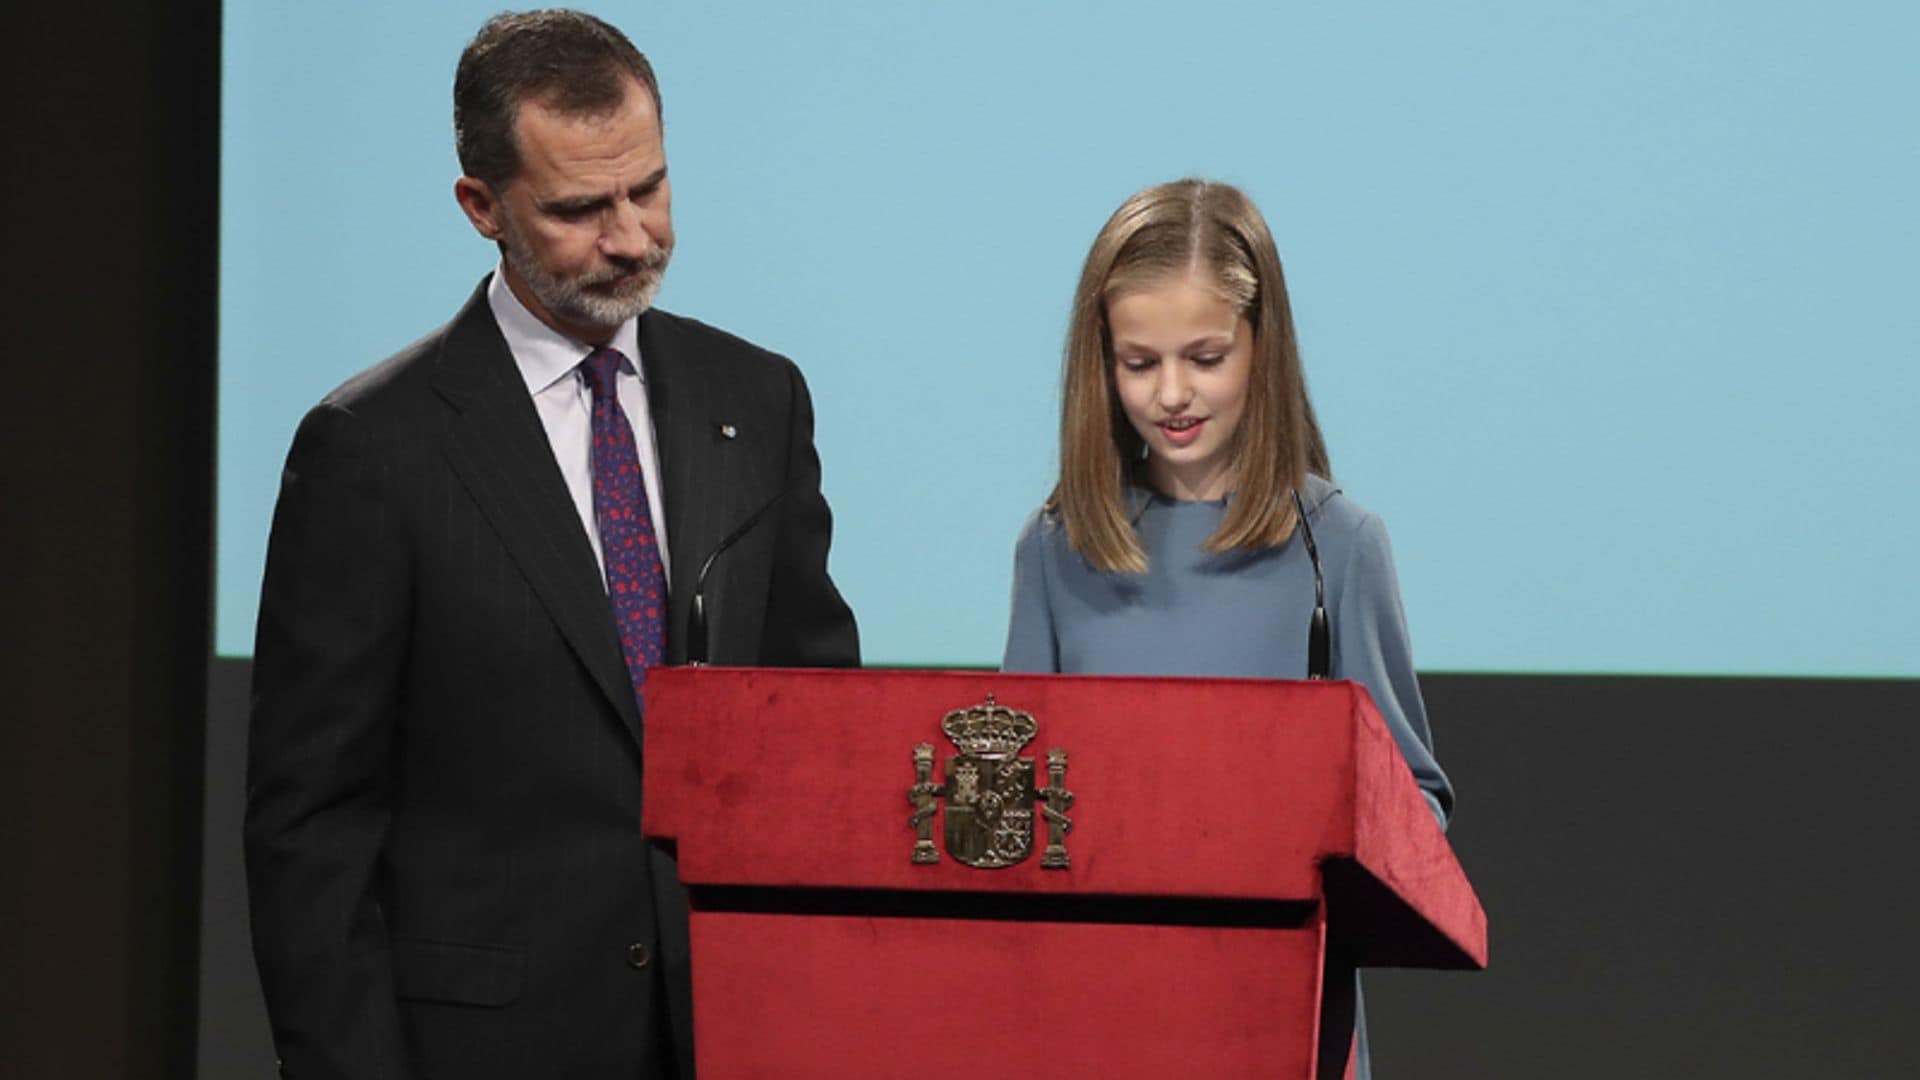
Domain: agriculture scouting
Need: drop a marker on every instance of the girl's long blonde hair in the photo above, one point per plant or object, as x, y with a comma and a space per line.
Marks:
1157, 234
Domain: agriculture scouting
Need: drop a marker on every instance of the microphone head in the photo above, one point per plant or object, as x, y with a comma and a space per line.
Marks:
1319, 645
697, 613
1319, 636
697, 630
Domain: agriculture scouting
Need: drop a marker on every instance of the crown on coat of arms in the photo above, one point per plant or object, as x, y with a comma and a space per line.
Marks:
989, 729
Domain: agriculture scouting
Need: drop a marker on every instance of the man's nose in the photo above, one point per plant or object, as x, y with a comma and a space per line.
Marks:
625, 235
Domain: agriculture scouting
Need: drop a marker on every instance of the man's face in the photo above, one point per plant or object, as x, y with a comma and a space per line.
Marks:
587, 224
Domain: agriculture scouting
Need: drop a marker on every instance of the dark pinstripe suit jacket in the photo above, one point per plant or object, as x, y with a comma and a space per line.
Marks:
446, 870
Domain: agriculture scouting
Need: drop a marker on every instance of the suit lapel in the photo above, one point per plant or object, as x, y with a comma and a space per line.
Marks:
677, 398
711, 482
500, 451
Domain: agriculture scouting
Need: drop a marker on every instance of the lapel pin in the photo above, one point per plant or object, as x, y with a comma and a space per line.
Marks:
728, 431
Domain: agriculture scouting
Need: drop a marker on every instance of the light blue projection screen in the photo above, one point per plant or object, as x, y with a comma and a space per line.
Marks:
1608, 309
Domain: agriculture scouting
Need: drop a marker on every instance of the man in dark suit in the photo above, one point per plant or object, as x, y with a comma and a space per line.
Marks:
463, 591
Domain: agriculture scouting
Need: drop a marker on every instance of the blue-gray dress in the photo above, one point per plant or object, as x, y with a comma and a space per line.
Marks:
1241, 614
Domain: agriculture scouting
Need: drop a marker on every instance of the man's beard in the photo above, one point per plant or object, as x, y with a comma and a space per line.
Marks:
581, 299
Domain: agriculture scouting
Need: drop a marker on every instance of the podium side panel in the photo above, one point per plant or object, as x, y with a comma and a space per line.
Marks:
1418, 909
800, 996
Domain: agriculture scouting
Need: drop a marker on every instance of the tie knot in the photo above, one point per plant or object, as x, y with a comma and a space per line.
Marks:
601, 367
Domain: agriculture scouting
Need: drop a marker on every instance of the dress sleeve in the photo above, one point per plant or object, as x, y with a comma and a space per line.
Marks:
1371, 646
1031, 645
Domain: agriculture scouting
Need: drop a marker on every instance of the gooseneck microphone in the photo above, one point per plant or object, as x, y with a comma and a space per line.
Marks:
1319, 634
697, 613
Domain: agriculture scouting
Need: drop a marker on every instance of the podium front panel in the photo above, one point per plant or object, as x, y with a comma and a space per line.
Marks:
1219, 788
852, 998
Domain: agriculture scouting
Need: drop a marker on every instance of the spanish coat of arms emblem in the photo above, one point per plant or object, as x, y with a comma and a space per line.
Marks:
990, 792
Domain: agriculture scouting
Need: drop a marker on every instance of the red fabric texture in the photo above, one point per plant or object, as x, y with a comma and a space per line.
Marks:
831, 997
1192, 789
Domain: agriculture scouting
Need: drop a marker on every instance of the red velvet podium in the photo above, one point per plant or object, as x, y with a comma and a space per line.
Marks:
1236, 849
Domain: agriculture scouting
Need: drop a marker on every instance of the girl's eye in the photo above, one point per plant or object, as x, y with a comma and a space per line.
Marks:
1209, 360
1136, 363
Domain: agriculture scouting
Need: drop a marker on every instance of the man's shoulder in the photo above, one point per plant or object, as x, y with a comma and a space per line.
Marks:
390, 379
404, 379
683, 335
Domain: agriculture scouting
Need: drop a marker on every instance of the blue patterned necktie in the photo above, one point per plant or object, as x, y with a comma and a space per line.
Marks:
636, 583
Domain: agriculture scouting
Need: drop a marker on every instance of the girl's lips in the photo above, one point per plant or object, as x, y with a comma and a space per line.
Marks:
1182, 436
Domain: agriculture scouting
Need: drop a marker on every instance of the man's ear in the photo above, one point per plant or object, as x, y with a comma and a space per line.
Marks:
481, 204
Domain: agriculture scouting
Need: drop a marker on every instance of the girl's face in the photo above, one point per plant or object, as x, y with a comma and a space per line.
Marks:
1182, 358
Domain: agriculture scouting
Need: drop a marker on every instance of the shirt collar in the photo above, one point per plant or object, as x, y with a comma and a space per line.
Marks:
545, 355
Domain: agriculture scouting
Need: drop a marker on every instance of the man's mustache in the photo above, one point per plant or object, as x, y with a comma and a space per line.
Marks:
653, 262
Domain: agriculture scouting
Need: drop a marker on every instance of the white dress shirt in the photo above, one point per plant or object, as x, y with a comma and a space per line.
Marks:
549, 362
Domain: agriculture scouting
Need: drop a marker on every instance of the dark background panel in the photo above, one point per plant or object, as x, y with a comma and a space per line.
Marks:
1684, 877
109, 199
234, 1041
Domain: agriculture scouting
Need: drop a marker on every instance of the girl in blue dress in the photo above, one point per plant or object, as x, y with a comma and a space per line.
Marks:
1173, 542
